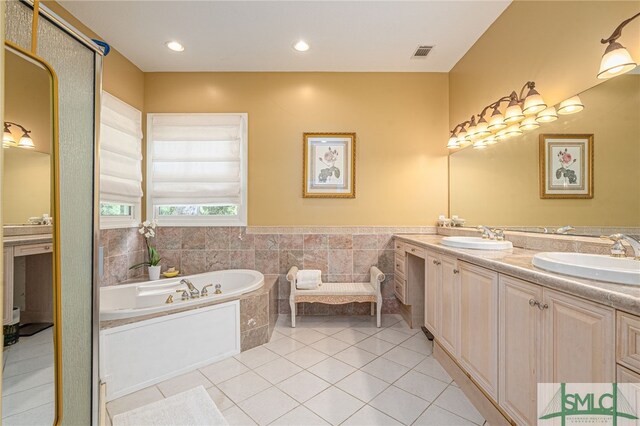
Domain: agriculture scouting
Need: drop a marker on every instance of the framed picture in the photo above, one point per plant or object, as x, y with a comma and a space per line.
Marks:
566, 166
329, 169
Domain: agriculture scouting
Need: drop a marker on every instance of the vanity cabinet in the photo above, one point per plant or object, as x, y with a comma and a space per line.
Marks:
478, 348
409, 278
442, 295
549, 337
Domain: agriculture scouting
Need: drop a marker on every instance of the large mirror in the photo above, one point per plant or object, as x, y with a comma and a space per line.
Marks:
513, 195
29, 372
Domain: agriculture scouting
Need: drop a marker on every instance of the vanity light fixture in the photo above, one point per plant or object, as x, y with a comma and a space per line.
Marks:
9, 141
616, 59
548, 115
7, 138
479, 145
471, 131
501, 135
301, 46
512, 130
482, 128
570, 106
175, 46
514, 113
453, 142
490, 140
496, 122
533, 103
529, 123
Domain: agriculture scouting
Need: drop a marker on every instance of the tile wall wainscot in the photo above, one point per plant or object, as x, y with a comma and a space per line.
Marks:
545, 242
343, 254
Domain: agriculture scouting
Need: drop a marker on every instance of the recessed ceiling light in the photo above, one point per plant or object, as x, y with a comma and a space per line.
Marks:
301, 46
175, 46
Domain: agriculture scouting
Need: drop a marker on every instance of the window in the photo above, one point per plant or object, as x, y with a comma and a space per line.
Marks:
120, 164
197, 169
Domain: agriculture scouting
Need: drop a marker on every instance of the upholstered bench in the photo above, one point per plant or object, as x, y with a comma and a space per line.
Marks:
338, 293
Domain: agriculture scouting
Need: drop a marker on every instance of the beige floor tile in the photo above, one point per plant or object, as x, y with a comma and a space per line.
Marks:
257, 356
330, 346
369, 416
223, 370
453, 400
236, 417
375, 345
278, 370
268, 405
134, 400
355, 357
334, 405
392, 336
300, 416
284, 346
332, 370
436, 416
183, 383
244, 386
363, 386
431, 367
303, 386
306, 357
307, 335
385, 370
400, 405
350, 336
418, 343
404, 356
221, 400
418, 384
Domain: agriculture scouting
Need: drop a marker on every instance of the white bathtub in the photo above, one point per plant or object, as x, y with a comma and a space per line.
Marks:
132, 300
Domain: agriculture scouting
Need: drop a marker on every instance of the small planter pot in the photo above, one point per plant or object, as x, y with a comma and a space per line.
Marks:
154, 272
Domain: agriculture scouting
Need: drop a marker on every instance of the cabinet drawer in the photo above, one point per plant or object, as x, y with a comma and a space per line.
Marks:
416, 251
400, 289
399, 246
399, 268
29, 249
628, 341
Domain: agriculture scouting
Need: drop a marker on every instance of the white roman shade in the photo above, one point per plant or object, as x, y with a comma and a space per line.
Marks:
197, 159
120, 152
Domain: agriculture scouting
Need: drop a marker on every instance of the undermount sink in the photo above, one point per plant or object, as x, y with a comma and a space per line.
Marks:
476, 243
592, 266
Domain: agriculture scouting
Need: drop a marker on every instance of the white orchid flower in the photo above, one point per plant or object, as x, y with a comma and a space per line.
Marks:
141, 230
152, 233
147, 235
146, 223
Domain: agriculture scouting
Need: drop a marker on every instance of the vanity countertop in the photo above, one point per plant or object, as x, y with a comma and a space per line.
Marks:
19, 240
517, 263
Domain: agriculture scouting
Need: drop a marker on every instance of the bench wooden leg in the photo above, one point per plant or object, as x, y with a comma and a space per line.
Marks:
292, 303
373, 308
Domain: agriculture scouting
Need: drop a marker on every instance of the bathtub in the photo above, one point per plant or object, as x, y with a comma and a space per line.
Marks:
135, 354
149, 297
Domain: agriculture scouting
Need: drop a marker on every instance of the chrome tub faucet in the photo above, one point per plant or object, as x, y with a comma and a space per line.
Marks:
193, 291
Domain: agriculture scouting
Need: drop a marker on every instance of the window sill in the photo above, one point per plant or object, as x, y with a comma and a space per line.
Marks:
200, 221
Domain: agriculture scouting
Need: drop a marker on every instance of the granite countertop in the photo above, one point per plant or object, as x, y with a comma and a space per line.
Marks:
18, 240
517, 263
269, 282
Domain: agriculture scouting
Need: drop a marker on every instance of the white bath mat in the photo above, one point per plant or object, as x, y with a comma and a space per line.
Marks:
191, 408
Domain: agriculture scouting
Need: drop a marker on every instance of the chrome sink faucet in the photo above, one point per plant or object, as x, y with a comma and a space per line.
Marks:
564, 229
618, 250
491, 233
193, 291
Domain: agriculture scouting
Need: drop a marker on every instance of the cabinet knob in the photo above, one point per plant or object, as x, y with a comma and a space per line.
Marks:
533, 302
456, 271
47, 247
543, 306
412, 250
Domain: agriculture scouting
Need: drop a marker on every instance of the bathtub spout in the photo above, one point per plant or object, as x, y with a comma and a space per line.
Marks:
193, 291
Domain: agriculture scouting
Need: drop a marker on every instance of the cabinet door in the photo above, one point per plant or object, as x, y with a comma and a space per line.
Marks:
479, 325
579, 340
432, 278
520, 348
448, 307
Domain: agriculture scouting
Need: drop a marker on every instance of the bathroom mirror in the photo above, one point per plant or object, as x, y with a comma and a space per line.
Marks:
509, 171
30, 298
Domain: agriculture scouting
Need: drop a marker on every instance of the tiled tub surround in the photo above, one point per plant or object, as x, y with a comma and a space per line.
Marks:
343, 254
258, 314
517, 263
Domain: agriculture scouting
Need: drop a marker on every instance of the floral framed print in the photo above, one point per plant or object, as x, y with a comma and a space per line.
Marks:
566, 166
329, 168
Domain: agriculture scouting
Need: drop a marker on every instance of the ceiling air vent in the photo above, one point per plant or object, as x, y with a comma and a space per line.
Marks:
421, 52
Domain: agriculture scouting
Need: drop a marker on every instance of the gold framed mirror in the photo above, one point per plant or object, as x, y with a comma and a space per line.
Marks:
32, 373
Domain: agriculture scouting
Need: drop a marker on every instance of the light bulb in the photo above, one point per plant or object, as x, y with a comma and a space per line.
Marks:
26, 142
512, 130
301, 46
533, 103
548, 115
175, 46
615, 61
453, 143
514, 113
496, 122
529, 123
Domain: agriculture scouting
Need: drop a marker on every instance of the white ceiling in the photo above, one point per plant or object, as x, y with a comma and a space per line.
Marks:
258, 35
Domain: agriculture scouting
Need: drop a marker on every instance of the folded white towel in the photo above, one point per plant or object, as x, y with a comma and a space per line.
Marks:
308, 279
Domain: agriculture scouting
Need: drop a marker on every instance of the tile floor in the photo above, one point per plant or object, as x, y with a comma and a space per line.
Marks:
328, 370
27, 381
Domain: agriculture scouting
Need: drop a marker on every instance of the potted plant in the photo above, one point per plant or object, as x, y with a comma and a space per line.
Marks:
148, 231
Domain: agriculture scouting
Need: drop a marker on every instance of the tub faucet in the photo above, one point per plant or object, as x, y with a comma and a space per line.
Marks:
564, 229
618, 250
193, 291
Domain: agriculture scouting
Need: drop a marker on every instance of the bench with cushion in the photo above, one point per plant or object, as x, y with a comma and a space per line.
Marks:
338, 293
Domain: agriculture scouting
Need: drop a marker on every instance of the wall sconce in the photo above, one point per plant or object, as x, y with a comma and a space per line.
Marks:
547, 115
9, 141
570, 106
616, 59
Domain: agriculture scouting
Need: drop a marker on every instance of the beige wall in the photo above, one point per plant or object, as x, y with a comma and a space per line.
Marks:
26, 185
508, 171
554, 43
400, 120
120, 77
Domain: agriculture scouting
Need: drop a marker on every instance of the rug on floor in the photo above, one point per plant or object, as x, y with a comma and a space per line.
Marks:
191, 408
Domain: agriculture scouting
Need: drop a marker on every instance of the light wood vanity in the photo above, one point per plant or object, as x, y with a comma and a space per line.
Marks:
507, 327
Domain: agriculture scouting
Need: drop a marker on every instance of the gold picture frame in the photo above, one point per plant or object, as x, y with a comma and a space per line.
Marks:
566, 166
329, 165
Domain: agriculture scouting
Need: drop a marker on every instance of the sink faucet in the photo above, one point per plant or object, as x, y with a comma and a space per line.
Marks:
193, 291
486, 232
564, 229
618, 250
